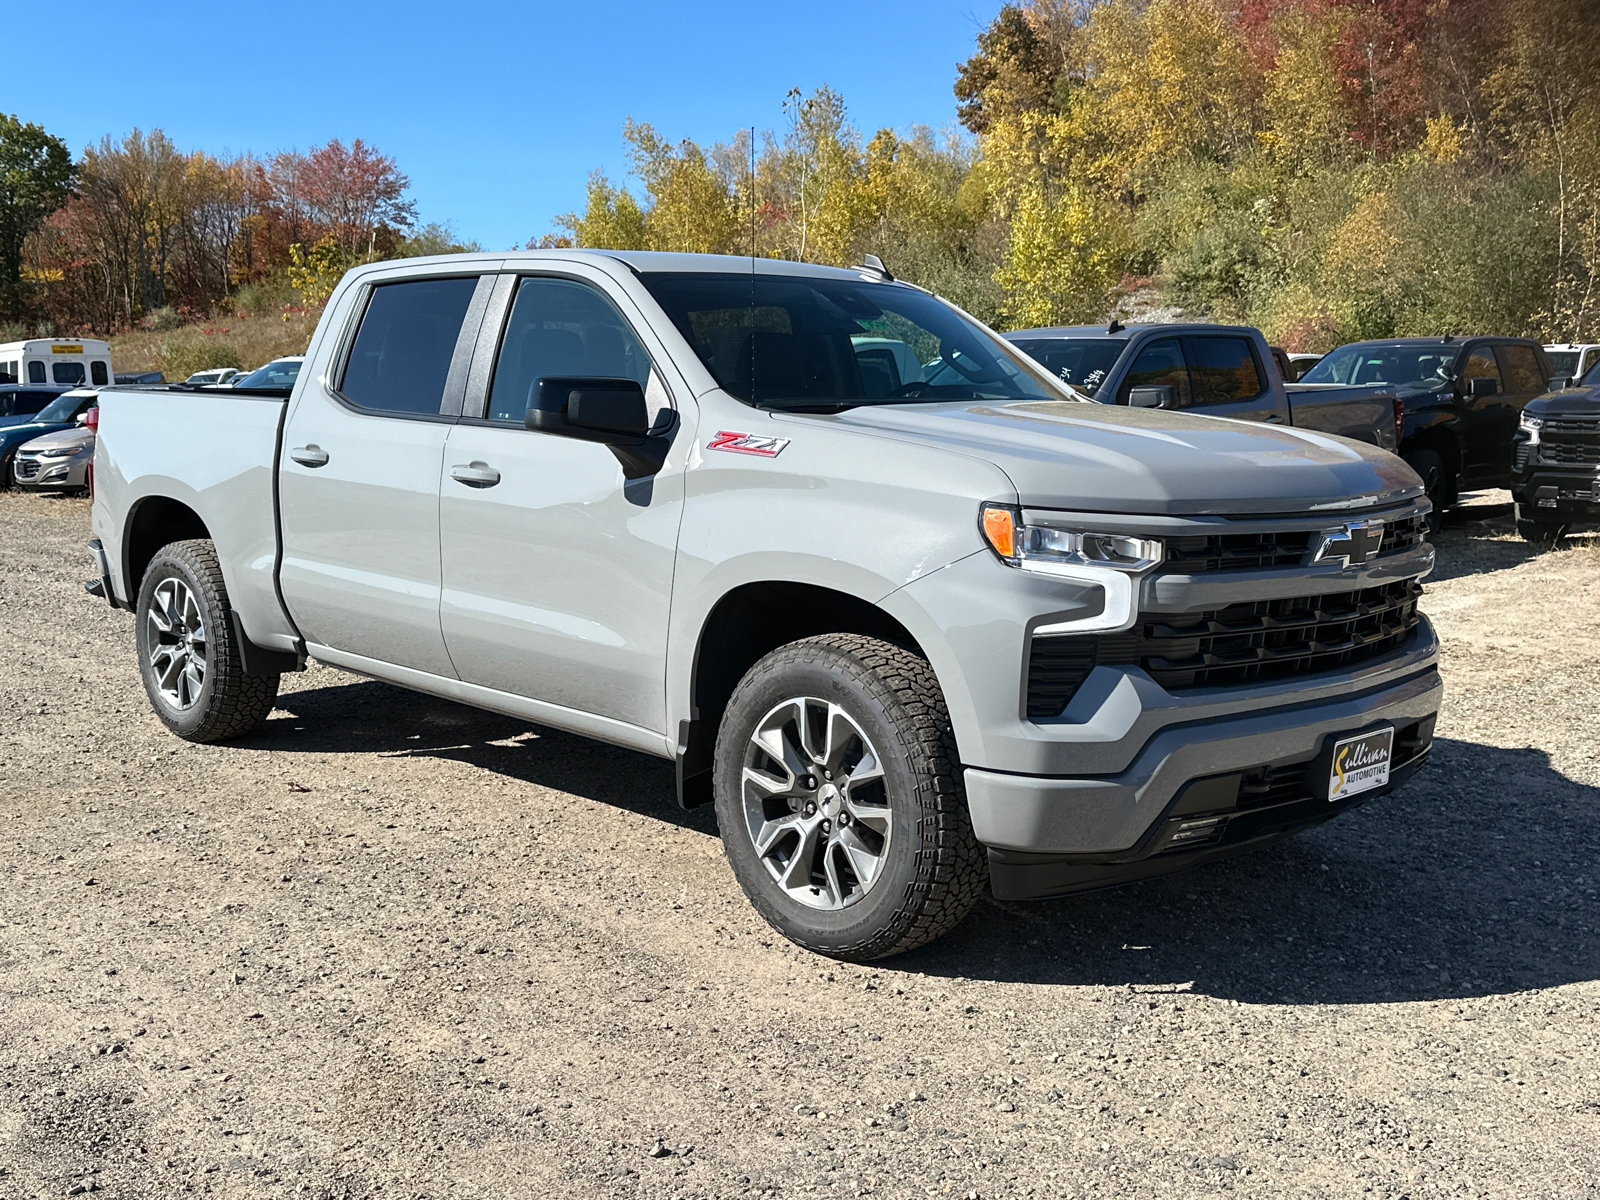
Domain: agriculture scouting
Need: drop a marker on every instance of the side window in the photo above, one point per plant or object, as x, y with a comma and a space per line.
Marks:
28, 403
403, 349
1160, 363
36, 372
1223, 369
1522, 370
8, 372
1590, 357
97, 373
1480, 364
560, 327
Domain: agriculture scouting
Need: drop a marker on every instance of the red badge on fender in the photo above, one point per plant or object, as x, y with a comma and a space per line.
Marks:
747, 443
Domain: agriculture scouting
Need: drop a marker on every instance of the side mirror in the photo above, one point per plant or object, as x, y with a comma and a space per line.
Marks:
1157, 396
1482, 385
612, 411
1557, 382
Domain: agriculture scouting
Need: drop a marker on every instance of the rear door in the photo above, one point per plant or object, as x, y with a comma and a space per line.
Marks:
557, 570
359, 474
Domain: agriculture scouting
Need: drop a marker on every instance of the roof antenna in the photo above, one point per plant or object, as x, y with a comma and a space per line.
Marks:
1116, 326
873, 263
1448, 338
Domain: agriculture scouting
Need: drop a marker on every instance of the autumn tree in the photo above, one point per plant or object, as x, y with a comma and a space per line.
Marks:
36, 173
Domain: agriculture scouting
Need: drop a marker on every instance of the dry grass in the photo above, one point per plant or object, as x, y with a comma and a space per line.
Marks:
255, 340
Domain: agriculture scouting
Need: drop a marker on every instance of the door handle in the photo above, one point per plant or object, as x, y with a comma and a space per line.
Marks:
1273, 419
475, 474
310, 455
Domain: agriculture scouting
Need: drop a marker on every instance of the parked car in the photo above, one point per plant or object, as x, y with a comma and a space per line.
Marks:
1218, 370
279, 373
64, 362
61, 413
908, 635
56, 462
1571, 360
20, 404
1462, 398
1301, 363
215, 377
1555, 477
141, 377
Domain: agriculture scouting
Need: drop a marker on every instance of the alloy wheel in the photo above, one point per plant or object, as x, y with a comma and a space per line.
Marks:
815, 803
177, 642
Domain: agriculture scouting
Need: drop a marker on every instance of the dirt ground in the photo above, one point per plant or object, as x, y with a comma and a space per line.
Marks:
390, 946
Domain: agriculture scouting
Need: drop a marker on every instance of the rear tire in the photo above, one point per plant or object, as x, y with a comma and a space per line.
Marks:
1437, 481
189, 658
851, 837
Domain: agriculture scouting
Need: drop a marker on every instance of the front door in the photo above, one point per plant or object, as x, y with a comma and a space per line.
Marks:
557, 571
1485, 437
359, 482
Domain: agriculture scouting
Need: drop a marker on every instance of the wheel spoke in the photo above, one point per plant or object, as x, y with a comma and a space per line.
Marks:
842, 733
797, 871
874, 816
868, 770
768, 783
770, 833
830, 872
863, 862
192, 682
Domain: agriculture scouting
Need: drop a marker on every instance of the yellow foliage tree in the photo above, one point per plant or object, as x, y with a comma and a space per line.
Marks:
1064, 257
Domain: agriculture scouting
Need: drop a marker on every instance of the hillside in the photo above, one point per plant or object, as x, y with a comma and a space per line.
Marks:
245, 342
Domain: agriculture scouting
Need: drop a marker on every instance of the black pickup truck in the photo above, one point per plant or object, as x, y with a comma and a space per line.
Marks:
1462, 398
1218, 370
1555, 464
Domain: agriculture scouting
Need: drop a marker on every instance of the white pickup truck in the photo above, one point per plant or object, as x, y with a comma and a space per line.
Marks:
915, 617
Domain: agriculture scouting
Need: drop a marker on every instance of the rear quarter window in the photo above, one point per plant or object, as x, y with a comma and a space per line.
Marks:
402, 351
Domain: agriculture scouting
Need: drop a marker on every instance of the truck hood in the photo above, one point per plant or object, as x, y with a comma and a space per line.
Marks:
1107, 458
1568, 402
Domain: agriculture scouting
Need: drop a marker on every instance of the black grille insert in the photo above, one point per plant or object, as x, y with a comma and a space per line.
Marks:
1262, 640
1202, 553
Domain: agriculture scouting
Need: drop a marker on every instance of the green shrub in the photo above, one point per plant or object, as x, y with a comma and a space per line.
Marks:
162, 320
182, 356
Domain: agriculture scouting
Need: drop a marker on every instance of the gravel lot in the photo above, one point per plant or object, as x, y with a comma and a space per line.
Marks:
392, 946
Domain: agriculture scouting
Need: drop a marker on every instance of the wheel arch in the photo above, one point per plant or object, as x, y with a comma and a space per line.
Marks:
154, 522
747, 623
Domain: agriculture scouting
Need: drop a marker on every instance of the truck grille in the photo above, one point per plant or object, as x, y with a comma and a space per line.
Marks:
1570, 441
1204, 553
1265, 640
1252, 642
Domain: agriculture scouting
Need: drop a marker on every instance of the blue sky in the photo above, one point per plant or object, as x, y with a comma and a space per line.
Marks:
497, 111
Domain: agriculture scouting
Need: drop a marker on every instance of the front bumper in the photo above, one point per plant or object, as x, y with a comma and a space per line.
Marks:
1564, 496
53, 474
1192, 793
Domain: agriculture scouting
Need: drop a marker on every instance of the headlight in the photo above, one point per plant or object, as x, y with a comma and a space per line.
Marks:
1531, 426
1046, 549
1112, 562
61, 451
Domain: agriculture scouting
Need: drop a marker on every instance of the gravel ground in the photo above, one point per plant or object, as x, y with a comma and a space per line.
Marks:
392, 946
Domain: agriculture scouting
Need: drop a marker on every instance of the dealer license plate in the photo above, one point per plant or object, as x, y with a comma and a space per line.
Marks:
1360, 763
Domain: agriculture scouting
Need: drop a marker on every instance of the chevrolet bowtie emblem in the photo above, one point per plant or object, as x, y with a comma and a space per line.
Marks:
1351, 545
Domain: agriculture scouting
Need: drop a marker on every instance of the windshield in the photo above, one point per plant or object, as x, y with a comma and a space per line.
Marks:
1082, 362
280, 373
825, 345
1396, 366
64, 409
1563, 363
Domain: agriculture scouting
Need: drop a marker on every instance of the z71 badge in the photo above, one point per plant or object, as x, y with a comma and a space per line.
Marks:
747, 443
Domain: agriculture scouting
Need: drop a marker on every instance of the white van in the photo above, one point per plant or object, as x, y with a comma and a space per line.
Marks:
75, 362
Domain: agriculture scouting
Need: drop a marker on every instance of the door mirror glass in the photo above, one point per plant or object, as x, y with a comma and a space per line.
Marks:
1559, 382
590, 408
1482, 385
1151, 397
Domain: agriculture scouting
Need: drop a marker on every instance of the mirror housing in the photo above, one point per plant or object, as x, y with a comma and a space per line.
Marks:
1557, 382
1482, 385
1157, 396
613, 412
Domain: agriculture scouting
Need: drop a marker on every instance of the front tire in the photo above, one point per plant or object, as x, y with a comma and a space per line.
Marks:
1543, 534
839, 796
189, 658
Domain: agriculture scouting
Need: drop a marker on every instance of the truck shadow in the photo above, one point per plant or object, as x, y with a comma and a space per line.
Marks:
1479, 878
368, 717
